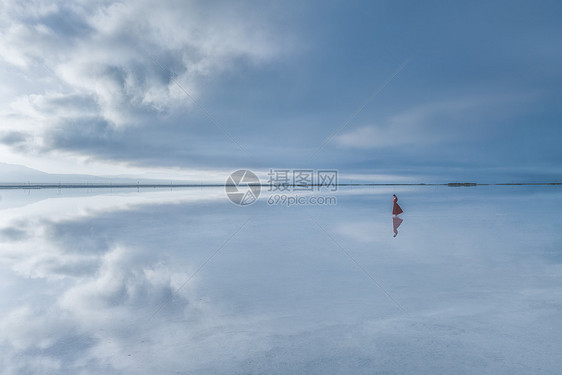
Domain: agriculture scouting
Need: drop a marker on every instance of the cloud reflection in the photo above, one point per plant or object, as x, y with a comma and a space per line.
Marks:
85, 276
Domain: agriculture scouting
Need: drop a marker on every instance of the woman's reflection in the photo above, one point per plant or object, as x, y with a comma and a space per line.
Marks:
396, 221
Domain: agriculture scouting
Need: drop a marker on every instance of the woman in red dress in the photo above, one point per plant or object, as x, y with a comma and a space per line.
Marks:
396, 210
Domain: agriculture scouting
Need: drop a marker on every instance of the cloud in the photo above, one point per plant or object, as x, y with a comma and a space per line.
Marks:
16, 139
434, 123
118, 65
103, 299
53, 104
13, 233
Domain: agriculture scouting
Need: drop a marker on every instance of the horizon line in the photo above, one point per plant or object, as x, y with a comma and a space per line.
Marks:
74, 185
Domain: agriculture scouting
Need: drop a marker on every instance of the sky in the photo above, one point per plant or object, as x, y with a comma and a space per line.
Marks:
427, 91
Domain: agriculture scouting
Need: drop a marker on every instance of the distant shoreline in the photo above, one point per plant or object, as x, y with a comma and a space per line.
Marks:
27, 186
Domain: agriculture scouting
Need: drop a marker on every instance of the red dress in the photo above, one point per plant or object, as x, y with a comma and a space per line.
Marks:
396, 210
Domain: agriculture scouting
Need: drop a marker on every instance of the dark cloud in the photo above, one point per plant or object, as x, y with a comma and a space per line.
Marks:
175, 142
14, 138
282, 79
82, 104
80, 133
13, 233
66, 23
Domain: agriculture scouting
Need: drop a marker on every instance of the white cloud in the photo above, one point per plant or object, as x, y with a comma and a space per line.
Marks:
112, 50
118, 64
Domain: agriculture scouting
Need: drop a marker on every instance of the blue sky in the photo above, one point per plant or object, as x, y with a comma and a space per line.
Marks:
94, 88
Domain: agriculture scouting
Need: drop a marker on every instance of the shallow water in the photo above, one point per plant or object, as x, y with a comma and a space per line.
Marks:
184, 281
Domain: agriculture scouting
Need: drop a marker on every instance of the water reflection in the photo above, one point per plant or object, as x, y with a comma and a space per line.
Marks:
396, 221
170, 283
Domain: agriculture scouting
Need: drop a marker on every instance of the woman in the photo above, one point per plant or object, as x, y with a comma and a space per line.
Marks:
396, 210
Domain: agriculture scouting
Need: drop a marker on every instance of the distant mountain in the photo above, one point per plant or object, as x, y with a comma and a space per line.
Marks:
18, 174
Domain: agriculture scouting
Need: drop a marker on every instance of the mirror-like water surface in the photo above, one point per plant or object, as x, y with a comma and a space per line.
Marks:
183, 281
